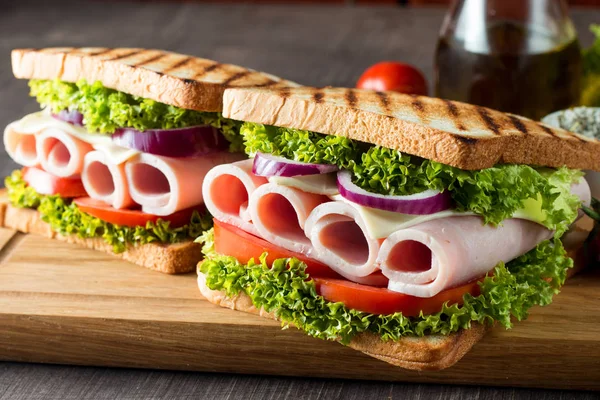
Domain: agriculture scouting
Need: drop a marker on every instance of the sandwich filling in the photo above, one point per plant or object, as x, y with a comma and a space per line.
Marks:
339, 237
103, 163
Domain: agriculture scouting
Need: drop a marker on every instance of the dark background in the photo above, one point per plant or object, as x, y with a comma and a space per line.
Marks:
308, 43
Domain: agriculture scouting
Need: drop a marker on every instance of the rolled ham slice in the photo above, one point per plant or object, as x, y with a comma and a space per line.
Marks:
20, 146
226, 191
341, 240
428, 258
105, 181
164, 185
60, 153
279, 214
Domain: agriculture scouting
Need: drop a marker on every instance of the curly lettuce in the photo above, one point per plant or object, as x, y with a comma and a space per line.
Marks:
65, 218
285, 289
494, 193
104, 110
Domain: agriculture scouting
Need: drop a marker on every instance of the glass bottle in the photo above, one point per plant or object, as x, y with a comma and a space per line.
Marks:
518, 56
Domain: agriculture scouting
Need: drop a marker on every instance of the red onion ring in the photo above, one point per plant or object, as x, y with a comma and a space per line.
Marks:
270, 165
73, 117
192, 141
427, 202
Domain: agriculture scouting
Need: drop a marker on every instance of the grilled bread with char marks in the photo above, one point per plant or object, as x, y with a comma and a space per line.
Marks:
458, 134
179, 80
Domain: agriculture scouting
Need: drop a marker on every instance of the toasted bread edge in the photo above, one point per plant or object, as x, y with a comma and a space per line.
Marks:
423, 353
176, 258
280, 108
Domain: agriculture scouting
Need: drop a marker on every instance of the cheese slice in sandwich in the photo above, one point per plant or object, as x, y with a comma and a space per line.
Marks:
116, 158
402, 226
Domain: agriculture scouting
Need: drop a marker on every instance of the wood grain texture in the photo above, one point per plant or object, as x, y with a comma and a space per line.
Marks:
64, 304
316, 46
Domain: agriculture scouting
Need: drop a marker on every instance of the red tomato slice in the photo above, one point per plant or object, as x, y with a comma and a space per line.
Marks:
45, 183
393, 76
126, 217
242, 245
384, 301
235, 242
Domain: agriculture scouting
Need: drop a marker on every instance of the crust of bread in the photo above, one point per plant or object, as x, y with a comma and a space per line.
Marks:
458, 134
433, 352
175, 258
180, 80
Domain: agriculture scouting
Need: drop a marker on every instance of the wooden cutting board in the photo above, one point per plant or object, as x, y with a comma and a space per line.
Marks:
60, 303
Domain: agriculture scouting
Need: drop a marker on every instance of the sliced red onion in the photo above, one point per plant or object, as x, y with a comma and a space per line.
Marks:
73, 117
192, 141
270, 165
427, 202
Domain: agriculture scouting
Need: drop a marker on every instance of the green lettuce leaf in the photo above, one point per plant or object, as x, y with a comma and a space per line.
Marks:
590, 95
65, 218
104, 110
285, 289
494, 193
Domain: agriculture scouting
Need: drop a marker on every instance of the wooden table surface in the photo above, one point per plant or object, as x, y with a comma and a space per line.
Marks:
315, 45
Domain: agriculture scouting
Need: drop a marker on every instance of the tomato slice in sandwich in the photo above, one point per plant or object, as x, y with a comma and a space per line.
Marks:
377, 300
129, 217
45, 183
235, 242
242, 245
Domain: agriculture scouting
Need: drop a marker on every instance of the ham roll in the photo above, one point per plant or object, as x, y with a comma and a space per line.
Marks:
20, 146
105, 181
226, 191
279, 214
164, 185
341, 240
60, 153
430, 257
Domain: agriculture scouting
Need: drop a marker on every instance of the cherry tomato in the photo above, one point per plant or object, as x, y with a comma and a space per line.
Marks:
393, 76
126, 217
45, 183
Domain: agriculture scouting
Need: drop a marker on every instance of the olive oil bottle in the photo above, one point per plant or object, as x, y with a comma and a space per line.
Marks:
516, 56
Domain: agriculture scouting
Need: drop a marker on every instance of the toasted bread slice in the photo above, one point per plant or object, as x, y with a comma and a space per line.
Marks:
433, 352
175, 258
462, 135
179, 80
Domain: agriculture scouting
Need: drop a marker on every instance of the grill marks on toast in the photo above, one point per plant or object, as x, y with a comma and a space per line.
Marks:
383, 99
189, 69
488, 120
516, 122
149, 60
123, 55
351, 98
454, 114
236, 77
318, 96
183, 62
212, 67
451, 132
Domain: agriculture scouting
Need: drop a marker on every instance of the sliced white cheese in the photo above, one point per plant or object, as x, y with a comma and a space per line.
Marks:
116, 154
380, 224
325, 184
38, 121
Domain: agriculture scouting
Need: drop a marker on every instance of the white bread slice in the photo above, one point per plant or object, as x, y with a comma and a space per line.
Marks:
180, 80
176, 258
433, 352
462, 135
